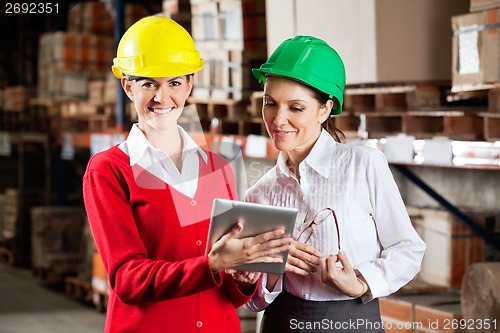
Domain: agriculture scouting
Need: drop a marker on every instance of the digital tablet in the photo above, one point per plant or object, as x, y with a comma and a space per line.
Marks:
256, 219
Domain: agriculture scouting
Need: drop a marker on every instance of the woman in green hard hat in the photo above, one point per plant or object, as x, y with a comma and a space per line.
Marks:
353, 239
149, 201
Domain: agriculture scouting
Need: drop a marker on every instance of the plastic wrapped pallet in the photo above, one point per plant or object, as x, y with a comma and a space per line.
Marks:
451, 246
56, 234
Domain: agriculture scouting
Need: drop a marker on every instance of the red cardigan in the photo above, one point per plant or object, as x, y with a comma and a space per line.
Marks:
152, 241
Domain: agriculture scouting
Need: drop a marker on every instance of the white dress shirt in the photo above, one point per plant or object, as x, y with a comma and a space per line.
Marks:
375, 230
154, 160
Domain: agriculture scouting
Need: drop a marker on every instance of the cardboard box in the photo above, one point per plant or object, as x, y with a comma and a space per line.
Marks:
451, 246
96, 17
379, 41
229, 24
479, 5
475, 49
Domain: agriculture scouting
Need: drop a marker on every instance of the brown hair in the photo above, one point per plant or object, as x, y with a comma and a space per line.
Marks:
329, 123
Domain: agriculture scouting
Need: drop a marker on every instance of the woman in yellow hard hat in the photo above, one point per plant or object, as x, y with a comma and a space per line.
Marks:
353, 239
149, 201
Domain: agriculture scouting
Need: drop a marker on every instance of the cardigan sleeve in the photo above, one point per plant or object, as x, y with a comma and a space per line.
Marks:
134, 278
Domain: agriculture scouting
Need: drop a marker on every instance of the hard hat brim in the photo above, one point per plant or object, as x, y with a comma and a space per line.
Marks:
159, 71
261, 74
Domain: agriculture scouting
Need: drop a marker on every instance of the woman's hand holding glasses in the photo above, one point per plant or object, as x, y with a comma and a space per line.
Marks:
342, 278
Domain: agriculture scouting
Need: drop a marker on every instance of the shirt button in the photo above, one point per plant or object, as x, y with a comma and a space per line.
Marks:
193, 202
199, 324
199, 242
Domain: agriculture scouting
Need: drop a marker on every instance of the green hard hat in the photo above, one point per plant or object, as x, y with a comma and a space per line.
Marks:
309, 60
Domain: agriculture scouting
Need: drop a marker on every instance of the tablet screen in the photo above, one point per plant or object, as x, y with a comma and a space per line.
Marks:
256, 219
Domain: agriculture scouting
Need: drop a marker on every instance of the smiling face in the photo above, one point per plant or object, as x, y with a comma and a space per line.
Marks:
158, 101
292, 115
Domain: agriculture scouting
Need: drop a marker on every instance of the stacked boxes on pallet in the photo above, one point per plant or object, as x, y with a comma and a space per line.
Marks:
56, 234
14, 233
68, 60
16, 98
73, 65
231, 36
179, 11
476, 45
97, 18
15, 109
476, 57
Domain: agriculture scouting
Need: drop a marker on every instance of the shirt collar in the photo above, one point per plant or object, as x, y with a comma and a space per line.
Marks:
324, 146
138, 144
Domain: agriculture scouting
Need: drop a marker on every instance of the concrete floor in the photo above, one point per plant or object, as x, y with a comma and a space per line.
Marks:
28, 307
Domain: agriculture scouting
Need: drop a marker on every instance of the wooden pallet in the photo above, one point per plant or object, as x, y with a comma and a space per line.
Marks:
491, 123
389, 98
459, 125
48, 276
78, 289
223, 108
90, 123
418, 287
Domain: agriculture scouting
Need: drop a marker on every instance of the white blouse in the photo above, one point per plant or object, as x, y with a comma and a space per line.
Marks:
142, 153
375, 230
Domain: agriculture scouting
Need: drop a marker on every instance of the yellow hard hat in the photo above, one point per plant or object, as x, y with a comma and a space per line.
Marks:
156, 46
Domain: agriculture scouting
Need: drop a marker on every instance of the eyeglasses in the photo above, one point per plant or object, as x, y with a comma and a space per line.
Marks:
319, 218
